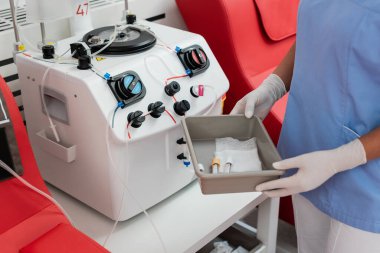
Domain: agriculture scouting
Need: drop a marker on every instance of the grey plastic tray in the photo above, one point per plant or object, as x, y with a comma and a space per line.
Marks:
201, 132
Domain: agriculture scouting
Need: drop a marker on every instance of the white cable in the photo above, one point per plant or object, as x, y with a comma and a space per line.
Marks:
26, 183
215, 100
2, 108
52, 126
114, 168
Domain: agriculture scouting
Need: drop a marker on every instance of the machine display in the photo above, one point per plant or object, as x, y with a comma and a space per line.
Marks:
121, 148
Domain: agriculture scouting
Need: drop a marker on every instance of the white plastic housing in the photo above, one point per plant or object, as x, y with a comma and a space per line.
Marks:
138, 172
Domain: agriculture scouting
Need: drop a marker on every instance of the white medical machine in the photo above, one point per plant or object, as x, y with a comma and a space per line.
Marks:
108, 131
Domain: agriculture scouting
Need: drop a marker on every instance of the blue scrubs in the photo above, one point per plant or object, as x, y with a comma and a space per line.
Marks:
334, 99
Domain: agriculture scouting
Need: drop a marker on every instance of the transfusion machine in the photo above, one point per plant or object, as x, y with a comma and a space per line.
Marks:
119, 146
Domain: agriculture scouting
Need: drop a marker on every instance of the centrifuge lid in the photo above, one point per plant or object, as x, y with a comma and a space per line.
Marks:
132, 40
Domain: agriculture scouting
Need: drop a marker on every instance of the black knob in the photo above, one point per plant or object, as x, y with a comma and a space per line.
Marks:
181, 157
131, 19
181, 141
156, 109
136, 119
181, 107
48, 52
172, 88
122, 35
128, 87
196, 58
84, 62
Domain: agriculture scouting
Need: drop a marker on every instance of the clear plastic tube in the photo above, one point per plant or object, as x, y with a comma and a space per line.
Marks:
163, 43
28, 43
97, 72
116, 221
114, 169
23, 38
147, 66
166, 47
3, 110
112, 39
215, 100
33, 188
43, 82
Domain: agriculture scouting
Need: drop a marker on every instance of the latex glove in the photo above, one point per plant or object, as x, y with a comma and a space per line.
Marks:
314, 169
259, 101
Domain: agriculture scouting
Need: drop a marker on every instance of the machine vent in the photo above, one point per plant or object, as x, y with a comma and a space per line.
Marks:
6, 16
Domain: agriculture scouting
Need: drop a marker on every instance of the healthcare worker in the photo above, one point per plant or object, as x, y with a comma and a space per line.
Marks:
331, 131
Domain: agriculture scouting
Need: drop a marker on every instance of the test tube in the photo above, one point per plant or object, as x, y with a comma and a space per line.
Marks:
215, 165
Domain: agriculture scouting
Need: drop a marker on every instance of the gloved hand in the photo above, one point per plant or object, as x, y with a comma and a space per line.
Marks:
259, 101
314, 169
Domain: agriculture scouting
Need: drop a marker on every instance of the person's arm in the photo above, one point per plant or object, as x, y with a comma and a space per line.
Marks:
317, 167
259, 101
285, 68
371, 143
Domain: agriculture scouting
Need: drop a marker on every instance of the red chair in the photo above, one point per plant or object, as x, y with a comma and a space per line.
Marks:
249, 39
29, 223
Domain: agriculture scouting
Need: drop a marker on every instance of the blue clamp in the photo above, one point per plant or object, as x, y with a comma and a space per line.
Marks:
186, 163
120, 104
188, 72
107, 76
177, 49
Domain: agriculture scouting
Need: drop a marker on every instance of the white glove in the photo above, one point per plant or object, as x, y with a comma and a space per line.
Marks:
314, 169
259, 101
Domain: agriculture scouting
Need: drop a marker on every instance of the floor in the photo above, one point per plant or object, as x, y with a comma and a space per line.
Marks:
237, 236
286, 238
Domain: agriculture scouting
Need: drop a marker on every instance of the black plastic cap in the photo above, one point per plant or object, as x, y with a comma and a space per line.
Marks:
84, 62
181, 157
48, 52
136, 119
172, 88
181, 107
156, 109
181, 141
131, 19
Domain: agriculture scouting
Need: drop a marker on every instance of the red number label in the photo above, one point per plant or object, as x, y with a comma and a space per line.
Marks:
82, 9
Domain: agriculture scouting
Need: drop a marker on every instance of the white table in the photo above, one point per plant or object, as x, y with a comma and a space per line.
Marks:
186, 221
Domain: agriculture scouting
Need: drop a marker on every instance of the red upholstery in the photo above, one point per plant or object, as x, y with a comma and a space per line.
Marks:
235, 32
284, 15
24, 214
62, 239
